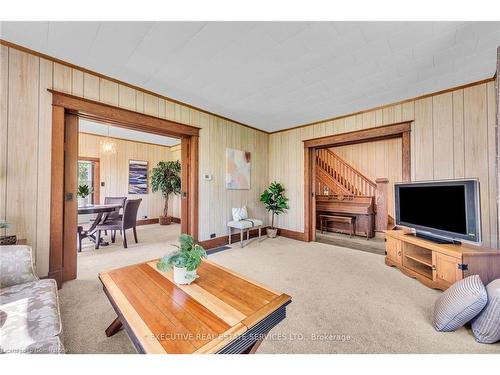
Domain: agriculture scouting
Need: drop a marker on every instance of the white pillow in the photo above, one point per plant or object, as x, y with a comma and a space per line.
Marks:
240, 213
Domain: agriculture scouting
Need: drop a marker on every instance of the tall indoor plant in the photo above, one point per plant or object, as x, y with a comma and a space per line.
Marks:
275, 202
165, 178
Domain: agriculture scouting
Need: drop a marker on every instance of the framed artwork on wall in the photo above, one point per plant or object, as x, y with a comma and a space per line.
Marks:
137, 177
237, 169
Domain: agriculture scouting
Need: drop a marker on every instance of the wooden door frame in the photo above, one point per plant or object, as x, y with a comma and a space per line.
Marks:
62, 262
398, 130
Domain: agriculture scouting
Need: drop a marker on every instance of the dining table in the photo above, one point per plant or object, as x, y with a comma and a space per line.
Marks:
99, 210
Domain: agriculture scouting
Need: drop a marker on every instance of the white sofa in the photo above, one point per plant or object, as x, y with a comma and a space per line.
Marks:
30, 319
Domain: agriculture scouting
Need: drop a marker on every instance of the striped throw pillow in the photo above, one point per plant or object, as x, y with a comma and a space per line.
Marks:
459, 304
486, 326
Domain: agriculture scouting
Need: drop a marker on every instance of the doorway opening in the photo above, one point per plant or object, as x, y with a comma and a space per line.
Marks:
107, 168
114, 166
349, 180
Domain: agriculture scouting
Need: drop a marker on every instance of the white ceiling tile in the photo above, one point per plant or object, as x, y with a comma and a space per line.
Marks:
432, 46
281, 31
410, 34
162, 41
373, 30
32, 34
489, 41
372, 50
480, 60
318, 36
440, 28
474, 30
458, 50
71, 40
114, 44
433, 71
202, 47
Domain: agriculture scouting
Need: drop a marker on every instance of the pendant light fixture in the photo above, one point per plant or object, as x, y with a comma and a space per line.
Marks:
108, 145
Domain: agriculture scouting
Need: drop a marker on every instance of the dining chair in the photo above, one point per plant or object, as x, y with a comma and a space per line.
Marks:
128, 221
81, 233
114, 215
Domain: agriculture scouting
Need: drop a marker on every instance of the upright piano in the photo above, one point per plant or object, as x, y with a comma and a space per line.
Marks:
361, 207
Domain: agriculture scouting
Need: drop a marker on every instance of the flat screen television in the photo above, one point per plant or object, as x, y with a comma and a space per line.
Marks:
443, 211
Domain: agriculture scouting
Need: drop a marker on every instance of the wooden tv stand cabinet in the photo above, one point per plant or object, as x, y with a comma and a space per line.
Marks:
439, 265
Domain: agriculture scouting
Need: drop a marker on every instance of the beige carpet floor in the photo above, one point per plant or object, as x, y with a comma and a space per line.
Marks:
344, 300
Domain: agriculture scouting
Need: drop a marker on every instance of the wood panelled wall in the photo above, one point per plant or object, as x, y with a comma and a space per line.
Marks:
25, 139
114, 170
376, 160
453, 136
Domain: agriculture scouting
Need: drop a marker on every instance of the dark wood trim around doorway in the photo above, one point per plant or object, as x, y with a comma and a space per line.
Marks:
65, 109
399, 130
360, 136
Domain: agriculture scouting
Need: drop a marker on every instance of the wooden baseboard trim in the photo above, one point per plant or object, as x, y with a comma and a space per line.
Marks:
147, 221
299, 236
155, 221
224, 240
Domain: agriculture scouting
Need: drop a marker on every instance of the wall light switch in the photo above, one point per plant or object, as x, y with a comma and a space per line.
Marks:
207, 177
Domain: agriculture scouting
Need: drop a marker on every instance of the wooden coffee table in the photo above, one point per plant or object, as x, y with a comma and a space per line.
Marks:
221, 312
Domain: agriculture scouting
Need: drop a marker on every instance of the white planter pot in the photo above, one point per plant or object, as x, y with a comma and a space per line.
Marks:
82, 202
182, 276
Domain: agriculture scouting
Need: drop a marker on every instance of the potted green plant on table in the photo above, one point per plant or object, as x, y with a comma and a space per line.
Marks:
275, 202
4, 238
165, 178
83, 194
184, 261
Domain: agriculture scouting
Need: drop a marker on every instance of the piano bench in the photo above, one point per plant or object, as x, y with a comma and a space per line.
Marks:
351, 220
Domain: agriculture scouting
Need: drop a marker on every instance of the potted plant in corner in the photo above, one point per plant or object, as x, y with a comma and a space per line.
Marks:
184, 261
275, 202
4, 238
83, 194
165, 178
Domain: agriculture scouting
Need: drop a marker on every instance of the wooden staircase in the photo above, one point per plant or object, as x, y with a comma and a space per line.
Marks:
335, 176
